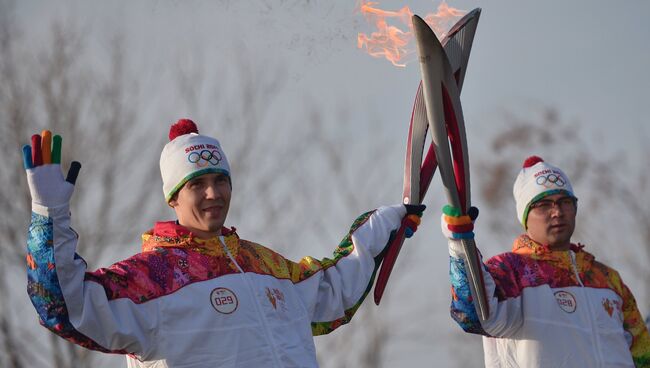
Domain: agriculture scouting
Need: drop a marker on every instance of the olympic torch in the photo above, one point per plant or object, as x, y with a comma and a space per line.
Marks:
445, 115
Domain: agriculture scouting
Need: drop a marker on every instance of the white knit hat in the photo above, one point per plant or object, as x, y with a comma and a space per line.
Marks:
189, 155
536, 180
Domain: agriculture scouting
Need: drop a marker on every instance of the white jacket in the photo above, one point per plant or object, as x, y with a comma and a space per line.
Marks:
551, 309
186, 302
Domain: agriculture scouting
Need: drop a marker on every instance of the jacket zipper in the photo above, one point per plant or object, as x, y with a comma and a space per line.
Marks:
258, 307
594, 328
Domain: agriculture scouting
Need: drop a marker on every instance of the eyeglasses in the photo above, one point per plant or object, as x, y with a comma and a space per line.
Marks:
546, 205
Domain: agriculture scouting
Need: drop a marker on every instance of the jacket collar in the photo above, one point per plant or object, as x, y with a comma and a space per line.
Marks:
171, 234
526, 246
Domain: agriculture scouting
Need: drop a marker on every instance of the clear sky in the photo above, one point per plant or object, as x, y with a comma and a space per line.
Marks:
587, 58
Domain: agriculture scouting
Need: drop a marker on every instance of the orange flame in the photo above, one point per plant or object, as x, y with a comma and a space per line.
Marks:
395, 44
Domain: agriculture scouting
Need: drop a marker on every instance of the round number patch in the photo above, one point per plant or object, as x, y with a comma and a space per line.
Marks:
566, 301
224, 300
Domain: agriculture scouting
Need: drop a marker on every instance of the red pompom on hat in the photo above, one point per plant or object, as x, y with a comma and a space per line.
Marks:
530, 161
182, 127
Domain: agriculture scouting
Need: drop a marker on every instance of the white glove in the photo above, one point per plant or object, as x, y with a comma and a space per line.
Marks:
42, 161
456, 226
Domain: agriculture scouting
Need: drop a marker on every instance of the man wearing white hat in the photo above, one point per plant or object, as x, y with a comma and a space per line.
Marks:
551, 304
197, 295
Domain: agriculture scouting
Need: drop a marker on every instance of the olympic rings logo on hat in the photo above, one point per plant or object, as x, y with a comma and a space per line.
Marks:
205, 158
550, 180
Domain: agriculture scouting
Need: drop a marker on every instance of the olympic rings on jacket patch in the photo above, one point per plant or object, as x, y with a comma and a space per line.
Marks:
550, 180
205, 158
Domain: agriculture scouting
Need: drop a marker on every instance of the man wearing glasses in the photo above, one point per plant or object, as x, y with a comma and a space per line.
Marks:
551, 304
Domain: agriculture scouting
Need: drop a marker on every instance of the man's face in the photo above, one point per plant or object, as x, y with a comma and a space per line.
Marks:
202, 204
551, 221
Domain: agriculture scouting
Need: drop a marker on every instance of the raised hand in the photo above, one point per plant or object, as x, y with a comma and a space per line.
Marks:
454, 225
42, 162
413, 216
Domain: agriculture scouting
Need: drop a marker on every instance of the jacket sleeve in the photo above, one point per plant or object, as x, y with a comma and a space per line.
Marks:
501, 287
333, 289
71, 306
635, 330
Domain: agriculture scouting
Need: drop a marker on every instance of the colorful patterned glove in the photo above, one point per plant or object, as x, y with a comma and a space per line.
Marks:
456, 226
42, 161
413, 217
